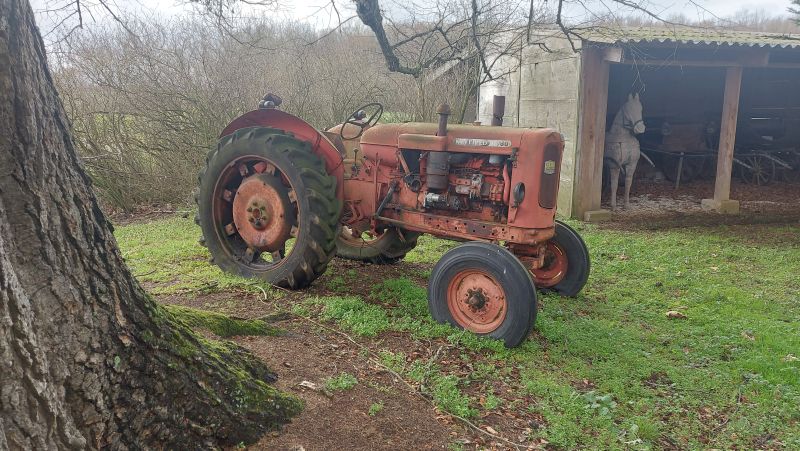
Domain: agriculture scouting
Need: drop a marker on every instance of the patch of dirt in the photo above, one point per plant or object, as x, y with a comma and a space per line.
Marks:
510, 419
332, 420
658, 380
766, 441
584, 385
659, 206
341, 420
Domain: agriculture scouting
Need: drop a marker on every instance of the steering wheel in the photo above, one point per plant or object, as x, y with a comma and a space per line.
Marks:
357, 119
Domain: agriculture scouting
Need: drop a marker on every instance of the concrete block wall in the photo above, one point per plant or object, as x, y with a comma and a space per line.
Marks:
548, 97
542, 91
505, 85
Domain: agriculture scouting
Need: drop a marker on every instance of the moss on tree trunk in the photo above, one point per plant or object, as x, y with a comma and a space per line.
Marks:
221, 325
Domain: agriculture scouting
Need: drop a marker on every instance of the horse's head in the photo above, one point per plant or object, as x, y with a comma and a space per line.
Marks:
632, 115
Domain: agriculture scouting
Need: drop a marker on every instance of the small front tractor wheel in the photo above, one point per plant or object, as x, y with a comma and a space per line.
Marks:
385, 248
566, 264
483, 288
267, 208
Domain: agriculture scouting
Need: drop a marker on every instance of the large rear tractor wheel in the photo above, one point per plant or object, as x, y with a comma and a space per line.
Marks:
483, 288
267, 208
566, 263
385, 248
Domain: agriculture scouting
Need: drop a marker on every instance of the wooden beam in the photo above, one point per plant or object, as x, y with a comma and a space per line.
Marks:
727, 140
746, 62
593, 102
725, 57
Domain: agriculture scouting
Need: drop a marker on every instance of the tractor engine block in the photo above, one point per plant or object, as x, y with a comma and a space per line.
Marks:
472, 183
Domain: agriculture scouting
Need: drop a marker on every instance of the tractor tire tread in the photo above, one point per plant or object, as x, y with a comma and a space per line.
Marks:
388, 253
320, 191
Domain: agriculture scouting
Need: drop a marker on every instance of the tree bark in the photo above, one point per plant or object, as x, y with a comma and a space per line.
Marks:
87, 359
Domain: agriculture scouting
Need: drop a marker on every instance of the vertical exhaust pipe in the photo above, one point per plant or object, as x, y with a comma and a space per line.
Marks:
444, 112
498, 110
438, 166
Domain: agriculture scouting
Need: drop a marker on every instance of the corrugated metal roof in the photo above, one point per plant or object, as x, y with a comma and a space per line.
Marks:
690, 35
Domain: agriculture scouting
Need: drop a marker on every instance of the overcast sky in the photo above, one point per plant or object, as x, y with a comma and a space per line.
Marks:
303, 8
729, 7
319, 12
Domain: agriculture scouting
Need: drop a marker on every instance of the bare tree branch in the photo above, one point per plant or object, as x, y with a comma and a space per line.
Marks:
369, 12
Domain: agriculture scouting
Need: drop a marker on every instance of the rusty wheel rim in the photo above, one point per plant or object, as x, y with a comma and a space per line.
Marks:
476, 301
255, 210
555, 266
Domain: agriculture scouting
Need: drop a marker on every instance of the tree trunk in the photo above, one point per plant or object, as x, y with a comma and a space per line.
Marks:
88, 360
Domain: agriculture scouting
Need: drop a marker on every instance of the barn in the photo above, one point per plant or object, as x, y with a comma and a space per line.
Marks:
717, 104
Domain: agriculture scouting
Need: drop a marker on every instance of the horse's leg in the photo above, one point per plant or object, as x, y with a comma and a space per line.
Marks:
613, 170
629, 170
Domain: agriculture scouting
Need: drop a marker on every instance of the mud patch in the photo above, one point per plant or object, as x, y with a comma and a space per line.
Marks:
343, 419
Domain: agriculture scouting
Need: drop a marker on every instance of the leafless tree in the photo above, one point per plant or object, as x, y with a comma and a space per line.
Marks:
147, 105
795, 10
742, 20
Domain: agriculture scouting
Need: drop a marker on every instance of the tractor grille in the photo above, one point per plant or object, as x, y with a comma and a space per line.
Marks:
548, 186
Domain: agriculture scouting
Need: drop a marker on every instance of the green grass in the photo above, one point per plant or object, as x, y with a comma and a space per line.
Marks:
605, 370
375, 408
344, 381
355, 315
165, 256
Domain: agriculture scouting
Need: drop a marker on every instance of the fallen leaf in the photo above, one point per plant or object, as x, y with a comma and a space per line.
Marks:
715, 268
790, 358
674, 314
491, 430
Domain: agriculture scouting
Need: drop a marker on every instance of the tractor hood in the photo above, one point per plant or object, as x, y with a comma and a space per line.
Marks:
466, 138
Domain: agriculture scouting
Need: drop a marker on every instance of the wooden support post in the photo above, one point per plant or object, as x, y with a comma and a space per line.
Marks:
727, 138
593, 103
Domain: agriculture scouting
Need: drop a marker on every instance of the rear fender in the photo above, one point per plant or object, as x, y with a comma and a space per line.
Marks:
302, 130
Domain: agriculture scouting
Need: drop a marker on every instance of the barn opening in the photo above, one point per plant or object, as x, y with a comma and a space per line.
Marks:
683, 109
722, 111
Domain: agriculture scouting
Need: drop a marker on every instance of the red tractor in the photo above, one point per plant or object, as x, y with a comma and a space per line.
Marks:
278, 199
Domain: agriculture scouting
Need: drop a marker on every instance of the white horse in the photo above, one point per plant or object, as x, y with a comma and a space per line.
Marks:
622, 147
